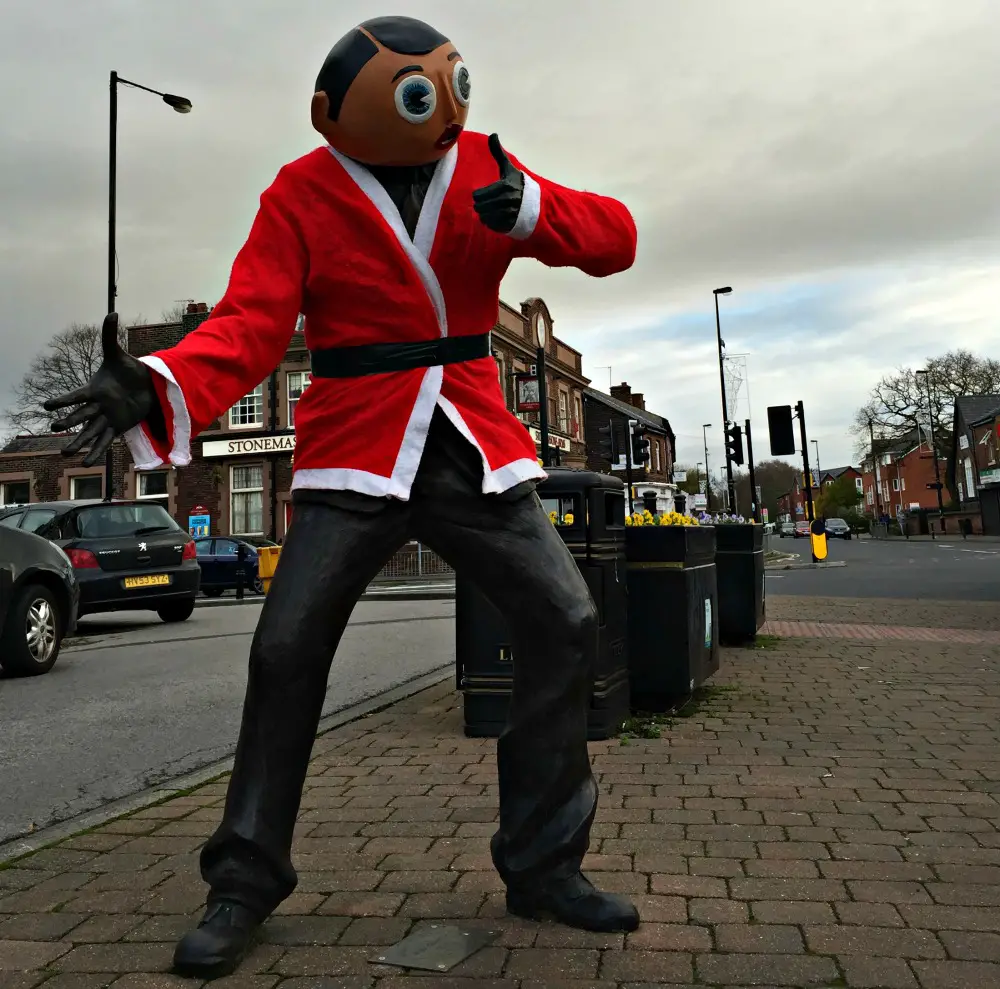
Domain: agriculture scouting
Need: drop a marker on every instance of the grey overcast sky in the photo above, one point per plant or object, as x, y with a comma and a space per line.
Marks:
837, 164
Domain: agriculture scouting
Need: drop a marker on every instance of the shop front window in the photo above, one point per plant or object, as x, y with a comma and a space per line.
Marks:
89, 487
298, 381
247, 500
15, 492
249, 410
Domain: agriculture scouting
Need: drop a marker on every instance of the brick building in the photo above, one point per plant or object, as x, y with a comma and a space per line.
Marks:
973, 469
516, 351
241, 469
896, 479
792, 504
653, 485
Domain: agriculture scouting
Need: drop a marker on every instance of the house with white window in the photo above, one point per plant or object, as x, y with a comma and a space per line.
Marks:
974, 462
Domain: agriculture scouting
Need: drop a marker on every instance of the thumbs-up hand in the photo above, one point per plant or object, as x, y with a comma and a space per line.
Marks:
119, 396
499, 203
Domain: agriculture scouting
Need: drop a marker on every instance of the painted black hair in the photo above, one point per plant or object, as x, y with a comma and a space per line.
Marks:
403, 35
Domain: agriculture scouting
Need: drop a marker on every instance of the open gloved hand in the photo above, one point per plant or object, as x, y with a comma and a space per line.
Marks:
499, 204
119, 396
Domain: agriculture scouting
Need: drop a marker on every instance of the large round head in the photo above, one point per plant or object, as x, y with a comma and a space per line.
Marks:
394, 91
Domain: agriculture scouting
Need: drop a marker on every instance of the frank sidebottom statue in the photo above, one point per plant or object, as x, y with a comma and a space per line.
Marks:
392, 239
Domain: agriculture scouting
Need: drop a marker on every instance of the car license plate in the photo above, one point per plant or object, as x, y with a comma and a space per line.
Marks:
153, 580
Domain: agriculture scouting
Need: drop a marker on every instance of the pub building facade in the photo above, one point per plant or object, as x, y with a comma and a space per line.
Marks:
240, 474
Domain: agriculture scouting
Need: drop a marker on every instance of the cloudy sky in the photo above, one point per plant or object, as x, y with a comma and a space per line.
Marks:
837, 164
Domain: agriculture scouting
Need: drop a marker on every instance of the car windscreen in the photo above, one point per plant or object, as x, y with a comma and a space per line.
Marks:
34, 520
108, 521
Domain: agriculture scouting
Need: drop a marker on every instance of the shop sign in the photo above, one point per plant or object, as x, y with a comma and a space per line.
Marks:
990, 476
527, 397
250, 446
559, 442
199, 521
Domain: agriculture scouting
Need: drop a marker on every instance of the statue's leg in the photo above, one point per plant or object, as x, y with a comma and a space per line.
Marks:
548, 795
329, 557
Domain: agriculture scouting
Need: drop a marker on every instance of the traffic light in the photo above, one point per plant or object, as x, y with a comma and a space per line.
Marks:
640, 445
779, 428
734, 444
606, 442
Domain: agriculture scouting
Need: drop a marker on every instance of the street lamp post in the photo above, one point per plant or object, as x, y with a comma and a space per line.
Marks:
819, 472
937, 466
722, 381
708, 474
181, 105
541, 339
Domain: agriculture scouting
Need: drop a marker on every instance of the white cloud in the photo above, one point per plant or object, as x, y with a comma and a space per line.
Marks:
837, 168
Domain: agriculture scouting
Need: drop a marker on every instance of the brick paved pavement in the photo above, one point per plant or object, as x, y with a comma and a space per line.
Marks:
829, 815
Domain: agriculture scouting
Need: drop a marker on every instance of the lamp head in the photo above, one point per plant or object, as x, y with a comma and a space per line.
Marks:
178, 103
722, 291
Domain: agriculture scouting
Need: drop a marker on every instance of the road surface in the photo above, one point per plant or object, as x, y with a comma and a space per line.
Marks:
895, 568
133, 702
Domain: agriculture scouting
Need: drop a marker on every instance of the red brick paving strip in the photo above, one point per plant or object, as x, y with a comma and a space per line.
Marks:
910, 633
828, 816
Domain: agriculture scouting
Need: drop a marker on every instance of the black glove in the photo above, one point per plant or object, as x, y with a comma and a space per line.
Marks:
499, 204
119, 396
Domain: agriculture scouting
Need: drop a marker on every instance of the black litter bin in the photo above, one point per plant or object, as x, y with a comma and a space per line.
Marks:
739, 568
673, 613
484, 654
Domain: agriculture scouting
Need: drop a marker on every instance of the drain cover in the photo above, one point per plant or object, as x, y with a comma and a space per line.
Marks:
435, 948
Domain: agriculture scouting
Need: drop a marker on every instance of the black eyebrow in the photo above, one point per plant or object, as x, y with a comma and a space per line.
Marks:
407, 68
453, 56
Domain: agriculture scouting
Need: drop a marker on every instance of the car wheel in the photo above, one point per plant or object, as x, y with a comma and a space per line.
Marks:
212, 592
29, 642
258, 585
176, 611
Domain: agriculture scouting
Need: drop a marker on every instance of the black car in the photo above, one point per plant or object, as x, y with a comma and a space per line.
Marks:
837, 529
220, 561
127, 555
38, 602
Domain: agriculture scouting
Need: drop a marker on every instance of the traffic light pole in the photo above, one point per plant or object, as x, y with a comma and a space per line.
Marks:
754, 501
800, 410
628, 463
725, 409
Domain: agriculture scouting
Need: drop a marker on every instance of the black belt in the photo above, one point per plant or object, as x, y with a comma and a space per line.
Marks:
381, 358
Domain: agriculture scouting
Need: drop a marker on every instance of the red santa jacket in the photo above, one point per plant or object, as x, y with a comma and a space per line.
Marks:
329, 243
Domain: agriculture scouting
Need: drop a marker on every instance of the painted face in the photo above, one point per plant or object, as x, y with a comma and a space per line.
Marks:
399, 108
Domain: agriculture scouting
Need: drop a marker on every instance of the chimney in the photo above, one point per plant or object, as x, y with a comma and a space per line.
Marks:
197, 313
638, 401
622, 392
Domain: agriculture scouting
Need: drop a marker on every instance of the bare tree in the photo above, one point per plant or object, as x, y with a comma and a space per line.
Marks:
174, 313
68, 361
899, 405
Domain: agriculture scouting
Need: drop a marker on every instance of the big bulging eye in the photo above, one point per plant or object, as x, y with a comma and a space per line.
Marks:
462, 83
416, 99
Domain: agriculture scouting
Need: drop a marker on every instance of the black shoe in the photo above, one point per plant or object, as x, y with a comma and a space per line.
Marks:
575, 903
219, 943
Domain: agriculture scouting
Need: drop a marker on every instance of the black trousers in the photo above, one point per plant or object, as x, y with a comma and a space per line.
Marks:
337, 544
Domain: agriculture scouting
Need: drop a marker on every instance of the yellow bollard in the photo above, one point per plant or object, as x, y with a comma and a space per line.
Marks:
267, 563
